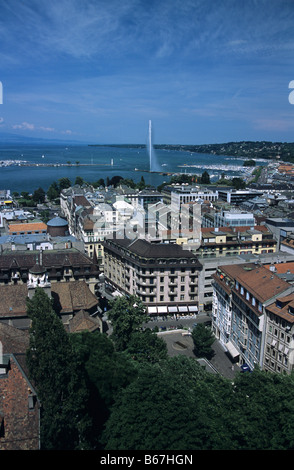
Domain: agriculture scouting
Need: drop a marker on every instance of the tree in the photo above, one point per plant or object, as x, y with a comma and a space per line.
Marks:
205, 178
53, 191
115, 180
141, 185
238, 183
127, 315
54, 370
203, 340
267, 395
99, 183
79, 181
39, 196
64, 183
173, 405
146, 346
107, 371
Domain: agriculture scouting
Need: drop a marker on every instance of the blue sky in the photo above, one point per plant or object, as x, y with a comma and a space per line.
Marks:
204, 71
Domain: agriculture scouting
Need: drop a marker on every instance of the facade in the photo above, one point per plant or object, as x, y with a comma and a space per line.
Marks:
190, 194
242, 294
228, 241
279, 347
234, 218
163, 276
61, 266
19, 406
237, 196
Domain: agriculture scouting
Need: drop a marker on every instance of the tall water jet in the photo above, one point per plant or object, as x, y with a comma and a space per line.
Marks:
153, 164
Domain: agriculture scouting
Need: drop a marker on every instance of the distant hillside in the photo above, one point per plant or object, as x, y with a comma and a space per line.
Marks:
246, 149
8, 138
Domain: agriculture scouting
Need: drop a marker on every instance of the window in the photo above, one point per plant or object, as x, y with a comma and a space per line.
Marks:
2, 431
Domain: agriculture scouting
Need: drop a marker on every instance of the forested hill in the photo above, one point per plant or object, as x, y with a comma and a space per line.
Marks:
268, 150
247, 149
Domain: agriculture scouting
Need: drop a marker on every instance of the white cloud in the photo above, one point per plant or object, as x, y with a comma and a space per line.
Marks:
24, 126
47, 129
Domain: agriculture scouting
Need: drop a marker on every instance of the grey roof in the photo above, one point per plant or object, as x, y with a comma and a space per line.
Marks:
24, 239
146, 249
57, 222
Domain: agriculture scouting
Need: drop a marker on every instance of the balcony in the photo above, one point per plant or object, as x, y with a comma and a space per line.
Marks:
173, 292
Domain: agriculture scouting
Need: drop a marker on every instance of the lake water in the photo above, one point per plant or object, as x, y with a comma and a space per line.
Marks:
93, 163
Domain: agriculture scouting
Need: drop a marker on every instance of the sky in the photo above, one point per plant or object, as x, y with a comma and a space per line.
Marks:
203, 71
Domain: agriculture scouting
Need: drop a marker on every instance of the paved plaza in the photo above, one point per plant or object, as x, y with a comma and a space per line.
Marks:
219, 363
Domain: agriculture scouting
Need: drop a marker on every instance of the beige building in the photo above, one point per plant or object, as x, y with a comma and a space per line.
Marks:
228, 241
163, 276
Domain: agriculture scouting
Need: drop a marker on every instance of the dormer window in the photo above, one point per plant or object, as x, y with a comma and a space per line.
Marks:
291, 310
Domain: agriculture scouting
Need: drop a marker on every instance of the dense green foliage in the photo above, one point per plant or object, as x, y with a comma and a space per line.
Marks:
247, 149
100, 393
126, 315
203, 339
53, 367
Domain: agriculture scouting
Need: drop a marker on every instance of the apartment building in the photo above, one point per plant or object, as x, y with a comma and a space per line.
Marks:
60, 266
243, 296
237, 196
232, 241
229, 218
279, 346
163, 276
188, 194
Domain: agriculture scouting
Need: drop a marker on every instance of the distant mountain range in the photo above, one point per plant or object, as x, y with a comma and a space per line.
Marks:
9, 138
